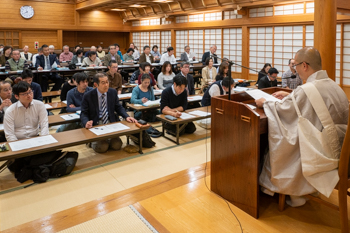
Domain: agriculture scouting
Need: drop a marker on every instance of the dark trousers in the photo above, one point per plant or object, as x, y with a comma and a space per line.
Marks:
54, 78
190, 128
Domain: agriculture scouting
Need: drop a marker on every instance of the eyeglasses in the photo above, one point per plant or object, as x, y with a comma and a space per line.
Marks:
6, 90
293, 66
27, 93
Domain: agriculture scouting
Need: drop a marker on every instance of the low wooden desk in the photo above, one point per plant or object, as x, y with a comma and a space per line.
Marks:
236, 131
47, 96
56, 105
184, 122
72, 138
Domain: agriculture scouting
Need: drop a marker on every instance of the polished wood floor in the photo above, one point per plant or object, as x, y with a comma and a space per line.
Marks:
181, 202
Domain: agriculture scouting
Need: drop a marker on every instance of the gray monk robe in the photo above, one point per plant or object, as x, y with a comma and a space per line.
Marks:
282, 170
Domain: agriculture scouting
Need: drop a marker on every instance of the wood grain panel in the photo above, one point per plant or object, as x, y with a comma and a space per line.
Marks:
346, 89
101, 19
44, 37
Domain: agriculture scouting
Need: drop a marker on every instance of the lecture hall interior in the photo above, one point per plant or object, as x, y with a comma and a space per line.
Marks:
168, 188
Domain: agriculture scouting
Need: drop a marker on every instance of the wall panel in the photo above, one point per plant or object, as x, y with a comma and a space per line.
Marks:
43, 37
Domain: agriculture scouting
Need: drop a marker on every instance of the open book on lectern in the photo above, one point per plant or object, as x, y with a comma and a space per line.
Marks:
258, 94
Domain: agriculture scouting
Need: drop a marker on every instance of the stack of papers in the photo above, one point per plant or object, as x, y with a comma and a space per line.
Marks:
64, 101
258, 94
70, 116
124, 95
200, 113
48, 106
32, 142
240, 89
157, 92
152, 103
105, 129
194, 98
251, 106
185, 115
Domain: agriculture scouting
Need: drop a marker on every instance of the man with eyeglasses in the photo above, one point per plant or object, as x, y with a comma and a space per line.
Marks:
290, 78
27, 76
24, 118
270, 80
114, 78
314, 111
6, 98
98, 107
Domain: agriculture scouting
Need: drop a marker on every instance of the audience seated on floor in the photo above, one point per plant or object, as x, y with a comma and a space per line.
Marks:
52, 50
91, 61
47, 61
155, 53
100, 53
25, 54
40, 52
165, 77
27, 76
66, 55
114, 77
223, 71
168, 56
135, 76
112, 55
76, 48
74, 99
146, 69
128, 56
5, 55
173, 102
313, 116
117, 48
98, 107
270, 80
67, 86
78, 57
15, 62
136, 53
140, 95
26, 117
290, 78
210, 53
263, 71
208, 74
6, 98
146, 56
92, 49
188, 55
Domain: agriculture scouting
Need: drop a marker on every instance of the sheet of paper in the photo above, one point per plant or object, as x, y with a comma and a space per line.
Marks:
193, 98
152, 102
64, 101
258, 94
185, 115
240, 89
1, 126
48, 106
105, 129
78, 112
200, 113
251, 106
32, 142
124, 95
157, 92
70, 116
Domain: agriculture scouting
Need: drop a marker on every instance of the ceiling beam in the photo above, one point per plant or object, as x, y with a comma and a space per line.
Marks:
153, 10
180, 6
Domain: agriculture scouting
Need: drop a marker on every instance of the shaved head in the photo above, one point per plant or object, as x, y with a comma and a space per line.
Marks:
311, 56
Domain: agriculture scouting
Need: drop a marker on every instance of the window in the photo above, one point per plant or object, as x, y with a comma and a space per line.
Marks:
233, 46
346, 55
195, 18
181, 19
261, 12
144, 40
154, 22
154, 39
310, 7
165, 22
309, 35
10, 38
231, 15
338, 54
135, 23
212, 16
260, 48
136, 39
144, 22
291, 9
213, 37
287, 41
165, 41
181, 41
195, 41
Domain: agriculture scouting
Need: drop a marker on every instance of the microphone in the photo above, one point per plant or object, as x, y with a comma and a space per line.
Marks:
293, 76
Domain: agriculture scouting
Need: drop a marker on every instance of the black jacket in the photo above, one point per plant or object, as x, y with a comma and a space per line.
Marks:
265, 83
190, 83
206, 55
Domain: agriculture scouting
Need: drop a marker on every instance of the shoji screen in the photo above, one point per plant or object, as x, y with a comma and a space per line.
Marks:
337, 57
136, 39
287, 41
165, 41
154, 39
144, 40
232, 47
309, 35
213, 37
195, 41
260, 49
181, 41
346, 55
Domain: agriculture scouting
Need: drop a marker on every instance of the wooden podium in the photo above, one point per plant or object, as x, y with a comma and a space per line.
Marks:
235, 149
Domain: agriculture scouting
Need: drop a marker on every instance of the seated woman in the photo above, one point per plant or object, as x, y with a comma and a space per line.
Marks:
223, 71
208, 74
146, 69
100, 53
78, 57
165, 78
140, 95
263, 71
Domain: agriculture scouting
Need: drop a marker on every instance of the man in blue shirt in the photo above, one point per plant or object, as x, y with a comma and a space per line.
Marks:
27, 76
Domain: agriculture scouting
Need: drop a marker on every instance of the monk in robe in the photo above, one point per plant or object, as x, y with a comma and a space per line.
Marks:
295, 163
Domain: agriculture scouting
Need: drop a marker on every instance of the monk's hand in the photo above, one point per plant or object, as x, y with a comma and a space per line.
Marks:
260, 102
280, 94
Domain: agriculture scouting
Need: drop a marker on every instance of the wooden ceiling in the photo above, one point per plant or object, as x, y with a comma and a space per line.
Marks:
166, 8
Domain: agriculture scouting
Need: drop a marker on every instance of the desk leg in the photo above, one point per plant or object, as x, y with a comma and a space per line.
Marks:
177, 134
127, 140
140, 148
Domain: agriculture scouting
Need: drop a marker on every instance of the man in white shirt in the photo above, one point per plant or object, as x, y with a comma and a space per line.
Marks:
187, 55
169, 56
220, 87
24, 118
25, 54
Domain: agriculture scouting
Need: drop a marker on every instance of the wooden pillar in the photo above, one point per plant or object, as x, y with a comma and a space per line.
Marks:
59, 39
173, 40
325, 33
245, 52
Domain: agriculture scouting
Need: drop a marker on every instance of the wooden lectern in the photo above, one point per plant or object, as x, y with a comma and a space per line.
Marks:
236, 131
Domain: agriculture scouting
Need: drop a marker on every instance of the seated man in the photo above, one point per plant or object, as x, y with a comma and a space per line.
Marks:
98, 107
173, 102
47, 61
217, 88
16, 62
114, 78
168, 56
112, 55
210, 53
92, 49
27, 76
270, 80
290, 78
146, 56
288, 168
187, 55
6, 98
74, 98
40, 52
135, 76
66, 55
25, 54
52, 50
24, 118
92, 61
185, 69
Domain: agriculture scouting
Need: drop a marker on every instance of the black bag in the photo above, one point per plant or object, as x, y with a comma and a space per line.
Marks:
64, 165
146, 140
72, 66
